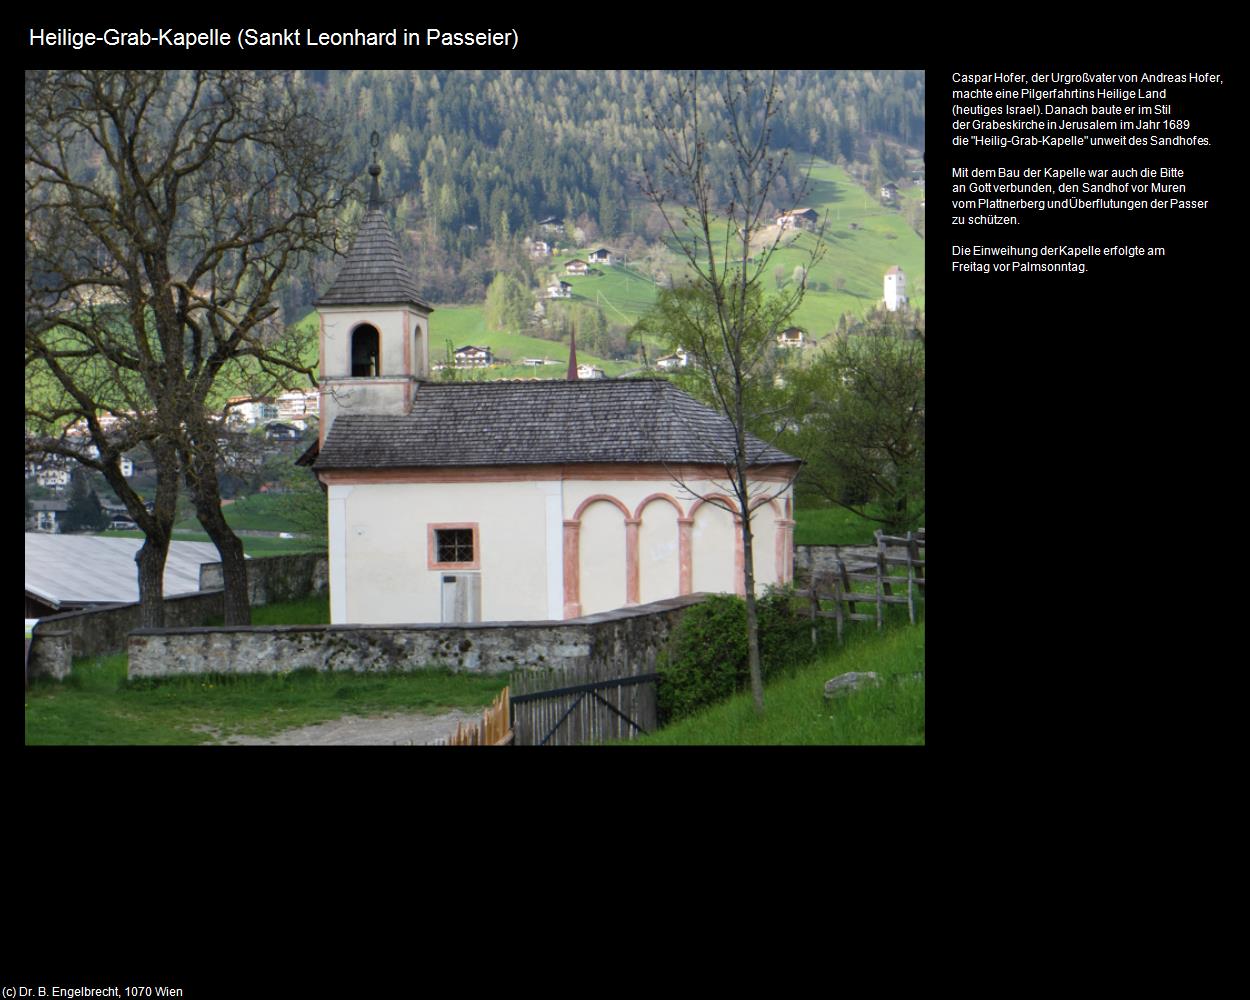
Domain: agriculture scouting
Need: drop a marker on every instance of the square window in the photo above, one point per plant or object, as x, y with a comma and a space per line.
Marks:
455, 545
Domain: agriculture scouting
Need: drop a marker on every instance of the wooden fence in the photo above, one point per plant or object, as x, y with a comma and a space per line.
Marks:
839, 588
495, 729
588, 704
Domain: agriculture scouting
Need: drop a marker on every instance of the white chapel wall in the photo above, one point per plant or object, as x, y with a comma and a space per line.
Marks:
658, 552
387, 551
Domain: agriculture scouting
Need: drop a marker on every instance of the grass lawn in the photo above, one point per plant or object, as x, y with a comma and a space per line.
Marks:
96, 705
258, 512
466, 325
834, 526
252, 546
796, 712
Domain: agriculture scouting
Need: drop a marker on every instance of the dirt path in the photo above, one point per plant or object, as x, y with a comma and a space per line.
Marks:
354, 730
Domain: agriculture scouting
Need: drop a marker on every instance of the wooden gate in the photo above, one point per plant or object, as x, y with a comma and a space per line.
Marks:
581, 705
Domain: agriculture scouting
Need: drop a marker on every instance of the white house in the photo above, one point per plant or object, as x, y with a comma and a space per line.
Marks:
791, 337
895, 287
472, 357
678, 359
519, 500
601, 256
589, 371
248, 411
576, 267
559, 290
46, 513
297, 405
54, 477
798, 218
540, 248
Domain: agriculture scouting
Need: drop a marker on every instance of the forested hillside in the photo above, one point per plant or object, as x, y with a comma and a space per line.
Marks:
474, 159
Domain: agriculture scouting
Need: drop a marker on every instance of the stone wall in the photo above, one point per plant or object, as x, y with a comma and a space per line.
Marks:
629, 638
823, 558
276, 578
103, 630
50, 656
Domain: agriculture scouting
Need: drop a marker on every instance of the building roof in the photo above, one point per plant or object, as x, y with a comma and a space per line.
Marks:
540, 422
374, 272
93, 569
895, 270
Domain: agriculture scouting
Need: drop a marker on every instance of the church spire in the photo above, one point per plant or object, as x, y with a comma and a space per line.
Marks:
572, 376
375, 195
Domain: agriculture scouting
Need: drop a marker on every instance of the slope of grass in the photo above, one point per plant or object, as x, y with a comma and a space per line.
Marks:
796, 712
466, 325
834, 526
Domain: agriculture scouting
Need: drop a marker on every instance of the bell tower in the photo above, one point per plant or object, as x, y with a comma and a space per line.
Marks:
375, 343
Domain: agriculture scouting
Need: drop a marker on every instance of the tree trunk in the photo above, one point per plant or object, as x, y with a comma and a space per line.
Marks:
158, 529
748, 581
202, 479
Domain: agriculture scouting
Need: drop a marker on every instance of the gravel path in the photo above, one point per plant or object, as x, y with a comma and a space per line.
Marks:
353, 730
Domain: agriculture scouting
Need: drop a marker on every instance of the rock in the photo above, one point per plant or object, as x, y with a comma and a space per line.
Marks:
849, 682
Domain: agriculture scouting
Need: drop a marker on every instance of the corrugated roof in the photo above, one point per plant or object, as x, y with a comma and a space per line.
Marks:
93, 569
374, 272
505, 423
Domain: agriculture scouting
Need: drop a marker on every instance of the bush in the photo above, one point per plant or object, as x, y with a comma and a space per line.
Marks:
708, 654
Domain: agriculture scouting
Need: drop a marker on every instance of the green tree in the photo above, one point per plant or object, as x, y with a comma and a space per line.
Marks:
163, 210
508, 304
84, 512
862, 432
727, 324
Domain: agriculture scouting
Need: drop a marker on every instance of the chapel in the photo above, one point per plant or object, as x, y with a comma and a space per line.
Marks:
515, 500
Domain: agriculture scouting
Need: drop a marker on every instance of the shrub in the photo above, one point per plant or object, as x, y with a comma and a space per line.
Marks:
708, 653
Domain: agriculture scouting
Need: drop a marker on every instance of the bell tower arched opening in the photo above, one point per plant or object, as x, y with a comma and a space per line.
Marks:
366, 353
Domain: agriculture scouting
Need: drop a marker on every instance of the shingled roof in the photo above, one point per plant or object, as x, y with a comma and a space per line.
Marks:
559, 422
374, 273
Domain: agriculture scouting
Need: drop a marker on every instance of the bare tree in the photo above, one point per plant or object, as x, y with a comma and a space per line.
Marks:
715, 195
162, 211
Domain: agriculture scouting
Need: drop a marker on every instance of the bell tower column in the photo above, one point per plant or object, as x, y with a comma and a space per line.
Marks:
374, 326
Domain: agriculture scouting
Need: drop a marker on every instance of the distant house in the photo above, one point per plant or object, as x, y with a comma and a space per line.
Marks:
559, 290
889, 192
298, 404
895, 288
540, 248
53, 478
472, 357
282, 432
799, 218
249, 412
576, 267
589, 371
678, 359
46, 513
791, 337
601, 256
551, 224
